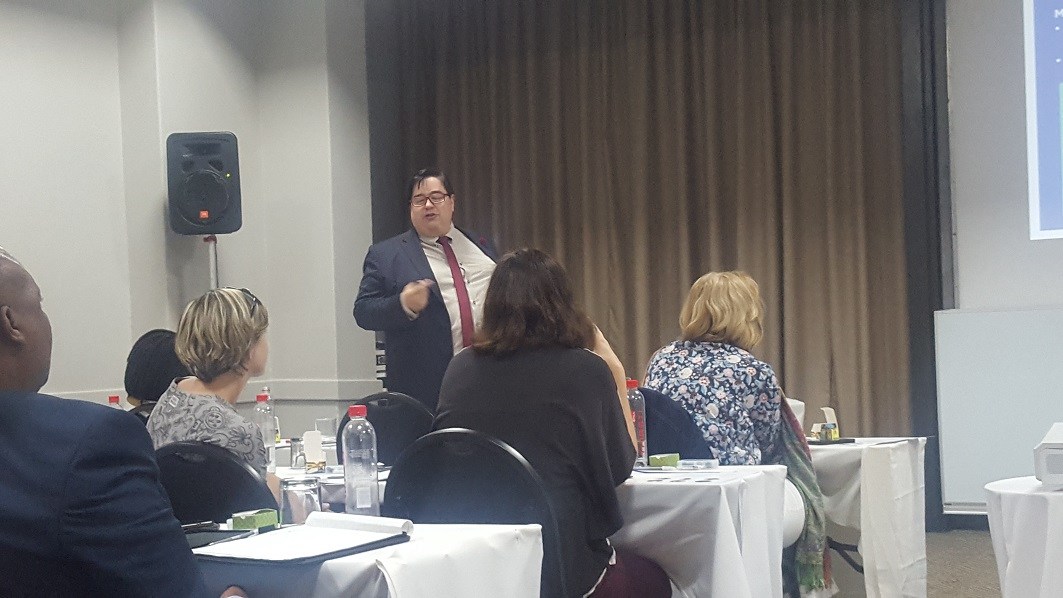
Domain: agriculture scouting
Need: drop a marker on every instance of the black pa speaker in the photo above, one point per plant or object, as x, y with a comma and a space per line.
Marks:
204, 183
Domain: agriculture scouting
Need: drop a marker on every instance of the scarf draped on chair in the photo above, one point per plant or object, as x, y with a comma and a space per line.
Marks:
813, 561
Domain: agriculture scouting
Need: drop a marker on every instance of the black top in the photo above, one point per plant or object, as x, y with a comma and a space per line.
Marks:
558, 408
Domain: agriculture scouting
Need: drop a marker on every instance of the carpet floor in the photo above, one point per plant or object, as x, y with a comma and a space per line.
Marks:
960, 564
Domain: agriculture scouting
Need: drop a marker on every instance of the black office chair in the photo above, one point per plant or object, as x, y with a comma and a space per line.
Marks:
463, 476
398, 419
206, 482
143, 411
670, 429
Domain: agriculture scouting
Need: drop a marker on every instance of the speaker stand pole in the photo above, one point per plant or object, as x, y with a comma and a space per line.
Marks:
212, 251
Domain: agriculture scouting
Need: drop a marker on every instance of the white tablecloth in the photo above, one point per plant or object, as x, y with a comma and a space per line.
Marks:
876, 486
1026, 524
716, 533
439, 560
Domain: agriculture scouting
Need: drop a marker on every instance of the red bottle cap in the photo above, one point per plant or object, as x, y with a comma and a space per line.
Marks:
113, 399
632, 384
356, 411
262, 398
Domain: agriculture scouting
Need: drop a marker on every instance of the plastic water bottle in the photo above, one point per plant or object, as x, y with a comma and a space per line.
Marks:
638, 416
276, 421
114, 401
268, 426
359, 464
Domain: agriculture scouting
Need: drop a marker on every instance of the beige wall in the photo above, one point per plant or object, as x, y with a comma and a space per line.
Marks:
996, 263
90, 96
62, 180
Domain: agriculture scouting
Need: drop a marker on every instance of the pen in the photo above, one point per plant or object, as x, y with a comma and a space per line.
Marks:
246, 534
199, 527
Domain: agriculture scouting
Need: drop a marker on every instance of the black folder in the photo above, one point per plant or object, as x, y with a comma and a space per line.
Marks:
315, 558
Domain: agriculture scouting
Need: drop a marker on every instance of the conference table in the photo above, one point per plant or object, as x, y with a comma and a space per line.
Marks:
876, 486
1026, 524
477, 561
715, 532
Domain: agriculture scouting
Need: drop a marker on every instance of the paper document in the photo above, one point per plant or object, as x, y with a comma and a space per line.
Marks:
367, 523
324, 536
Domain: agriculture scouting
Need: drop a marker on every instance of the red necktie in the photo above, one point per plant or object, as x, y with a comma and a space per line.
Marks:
464, 305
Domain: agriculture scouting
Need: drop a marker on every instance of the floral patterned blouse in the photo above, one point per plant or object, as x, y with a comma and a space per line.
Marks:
181, 416
733, 397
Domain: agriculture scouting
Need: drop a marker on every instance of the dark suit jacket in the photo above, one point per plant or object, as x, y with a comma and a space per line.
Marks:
82, 512
417, 351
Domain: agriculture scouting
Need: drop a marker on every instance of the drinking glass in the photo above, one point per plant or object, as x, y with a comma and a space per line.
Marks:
299, 498
297, 453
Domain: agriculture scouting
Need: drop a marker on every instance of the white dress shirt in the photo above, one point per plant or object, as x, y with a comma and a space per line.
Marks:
476, 267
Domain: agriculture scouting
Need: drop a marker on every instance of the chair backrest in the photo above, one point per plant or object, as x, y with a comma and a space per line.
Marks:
464, 476
398, 419
143, 411
207, 482
670, 429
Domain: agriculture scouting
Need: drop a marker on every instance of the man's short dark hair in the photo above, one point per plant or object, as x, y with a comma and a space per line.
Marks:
152, 365
529, 305
427, 173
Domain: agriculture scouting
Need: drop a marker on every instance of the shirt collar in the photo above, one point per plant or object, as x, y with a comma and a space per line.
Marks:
435, 240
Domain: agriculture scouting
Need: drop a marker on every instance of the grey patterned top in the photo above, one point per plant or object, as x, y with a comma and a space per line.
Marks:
181, 416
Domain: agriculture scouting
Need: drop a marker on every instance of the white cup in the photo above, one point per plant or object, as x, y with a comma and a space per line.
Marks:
312, 448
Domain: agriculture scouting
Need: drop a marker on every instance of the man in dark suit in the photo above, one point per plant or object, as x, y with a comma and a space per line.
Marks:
424, 289
83, 512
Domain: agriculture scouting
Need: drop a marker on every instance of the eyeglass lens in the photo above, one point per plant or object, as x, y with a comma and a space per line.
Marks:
436, 197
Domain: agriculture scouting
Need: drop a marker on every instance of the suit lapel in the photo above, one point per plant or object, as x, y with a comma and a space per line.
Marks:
411, 246
481, 242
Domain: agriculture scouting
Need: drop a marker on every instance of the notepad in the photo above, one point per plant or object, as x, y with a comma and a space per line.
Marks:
818, 442
324, 536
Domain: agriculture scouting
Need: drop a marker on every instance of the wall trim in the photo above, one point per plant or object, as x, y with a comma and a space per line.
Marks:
282, 389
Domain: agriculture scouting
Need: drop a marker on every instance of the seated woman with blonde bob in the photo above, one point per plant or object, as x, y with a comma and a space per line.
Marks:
735, 400
531, 380
733, 397
222, 341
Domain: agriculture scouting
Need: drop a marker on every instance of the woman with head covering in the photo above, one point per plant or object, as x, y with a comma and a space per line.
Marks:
222, 341
531, 380
151, 367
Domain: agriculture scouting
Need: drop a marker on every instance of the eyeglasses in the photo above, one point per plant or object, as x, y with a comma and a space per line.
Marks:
250, 299
436, 197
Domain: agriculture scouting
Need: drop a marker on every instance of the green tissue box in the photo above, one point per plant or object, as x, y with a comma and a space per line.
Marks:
665, 460
262, 518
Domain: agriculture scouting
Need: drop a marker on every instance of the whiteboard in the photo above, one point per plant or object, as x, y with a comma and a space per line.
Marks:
999, 391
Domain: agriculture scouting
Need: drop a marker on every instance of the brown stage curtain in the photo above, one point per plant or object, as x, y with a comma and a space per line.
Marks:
646, 142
